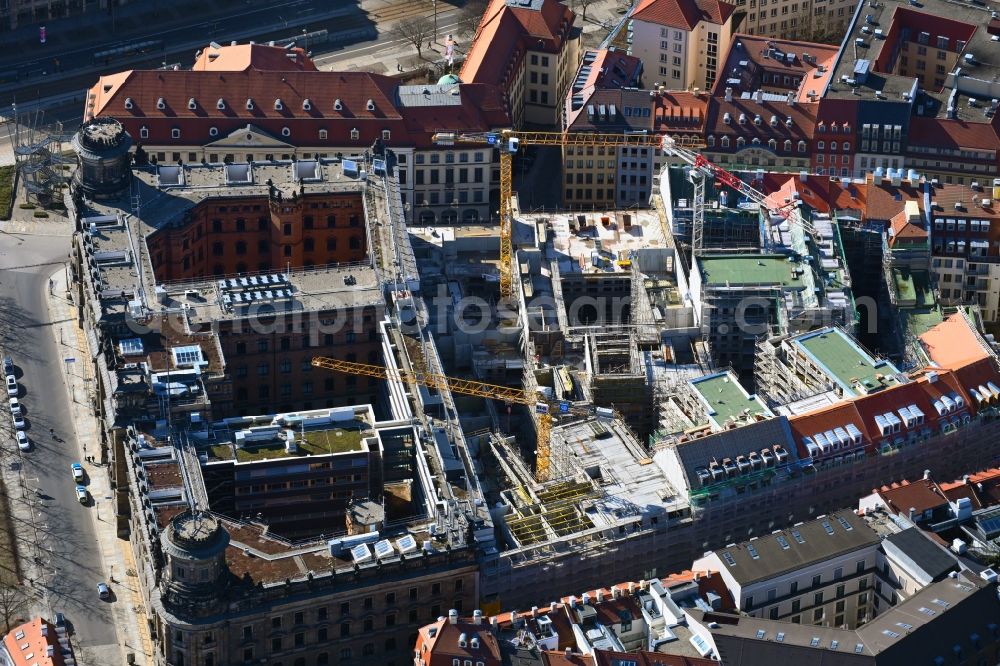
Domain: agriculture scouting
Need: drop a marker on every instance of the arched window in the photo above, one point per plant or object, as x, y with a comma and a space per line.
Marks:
725, 142
740, 142
772, 144
788, 145
820, 145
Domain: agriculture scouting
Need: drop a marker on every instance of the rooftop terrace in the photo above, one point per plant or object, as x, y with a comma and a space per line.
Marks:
750, 269
726, 400
841, 359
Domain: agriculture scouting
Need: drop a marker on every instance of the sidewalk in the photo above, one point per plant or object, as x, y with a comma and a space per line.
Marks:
128, 608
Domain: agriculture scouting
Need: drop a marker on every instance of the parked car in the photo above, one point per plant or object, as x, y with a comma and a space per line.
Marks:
22, 440
18, 420
15, 407
11, 385
60, 620
77, 471
81, 494
103, 591
8, 365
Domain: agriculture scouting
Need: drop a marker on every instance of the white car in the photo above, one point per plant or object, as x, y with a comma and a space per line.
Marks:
22, 440
15, 407
11, 385
18, 421
81, 494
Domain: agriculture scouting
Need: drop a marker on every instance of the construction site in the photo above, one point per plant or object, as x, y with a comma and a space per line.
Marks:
535, 405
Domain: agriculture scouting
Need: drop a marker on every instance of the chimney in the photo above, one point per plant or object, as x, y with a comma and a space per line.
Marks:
534, 611
569, 652
965, 479
453, 616
600, 596
477, 617
631, 588
513, 618
791, 98
586, 599
913, 513
572, 601
616, 592
927, 475
729, 93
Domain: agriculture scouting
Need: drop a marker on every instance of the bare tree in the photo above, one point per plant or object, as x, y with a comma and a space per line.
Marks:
582, 5
415, 31
471, 14
12, 605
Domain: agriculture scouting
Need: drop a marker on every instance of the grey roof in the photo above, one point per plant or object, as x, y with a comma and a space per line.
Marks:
921, 557
964, 612
740, 441
983, 76
430, 95
797, 547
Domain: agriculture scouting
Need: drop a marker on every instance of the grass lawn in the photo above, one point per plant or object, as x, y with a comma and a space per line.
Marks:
6, 190
317, 442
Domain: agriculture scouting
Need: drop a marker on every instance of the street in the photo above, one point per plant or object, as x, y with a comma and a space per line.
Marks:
66, 537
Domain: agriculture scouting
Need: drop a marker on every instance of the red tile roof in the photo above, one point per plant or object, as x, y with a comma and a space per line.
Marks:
955, 134
759, 51
683, 14
504, 34
240, 57
438, 643
922, 495
308, 103
803, 120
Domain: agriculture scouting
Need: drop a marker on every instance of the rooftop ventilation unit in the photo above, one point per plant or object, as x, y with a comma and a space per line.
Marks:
970, 59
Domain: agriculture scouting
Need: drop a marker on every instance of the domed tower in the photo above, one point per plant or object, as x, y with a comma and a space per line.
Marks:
196, 573
449, 80
102, 145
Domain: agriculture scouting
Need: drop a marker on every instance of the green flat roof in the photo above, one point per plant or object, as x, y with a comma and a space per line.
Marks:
913, 287
846, 362
736, 269
316, 443
726, 397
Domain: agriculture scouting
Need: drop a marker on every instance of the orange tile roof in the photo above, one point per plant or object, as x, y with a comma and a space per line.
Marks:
954, 133
838, 415
904, 230
504, 33
241, 57
35, 643
438, 643
952, 343
683, 14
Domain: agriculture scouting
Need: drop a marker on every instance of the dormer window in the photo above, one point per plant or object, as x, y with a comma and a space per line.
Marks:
278, 106
128, 103
756, 120
728, 119
740, 142
743, 119
322, 134
355, 134
192, 104
144, 132
370, 105
725, 142
220, 104
710, 141
802, 146
213, 131
386, 134
337, 105
161, 104
820, 145
788, 145
821, 127
772, 144
249, 104
285, 131
306, 104
774, 121
755, 141
175, 133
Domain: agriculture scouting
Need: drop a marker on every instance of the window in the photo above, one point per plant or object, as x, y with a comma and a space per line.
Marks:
345, 629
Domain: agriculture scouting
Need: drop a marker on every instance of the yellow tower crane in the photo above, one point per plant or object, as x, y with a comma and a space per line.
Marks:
508, 141
466, 387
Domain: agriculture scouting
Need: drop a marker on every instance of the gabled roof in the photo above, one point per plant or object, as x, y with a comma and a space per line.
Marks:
241, 57
507, 30
903, 230
921, 495
956, 134
683, 14
803, 119
921, 557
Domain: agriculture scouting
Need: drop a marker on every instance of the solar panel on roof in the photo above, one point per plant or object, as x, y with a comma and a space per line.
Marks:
728, 557
406, 544
360, 553
131, 347
189, 355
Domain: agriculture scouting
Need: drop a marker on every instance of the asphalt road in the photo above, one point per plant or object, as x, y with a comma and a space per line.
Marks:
66, 536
